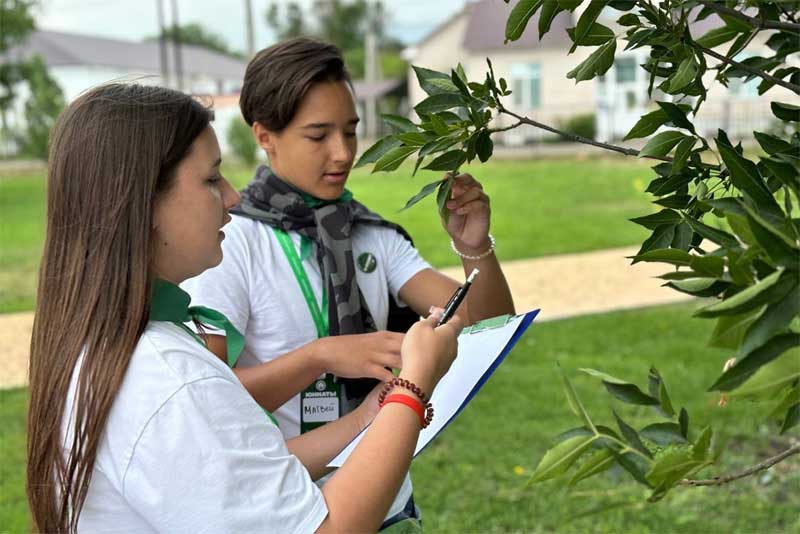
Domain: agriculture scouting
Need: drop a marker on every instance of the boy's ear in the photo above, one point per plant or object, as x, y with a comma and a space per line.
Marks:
264, 137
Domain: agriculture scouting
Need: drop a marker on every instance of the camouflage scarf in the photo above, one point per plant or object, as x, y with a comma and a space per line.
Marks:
329, 224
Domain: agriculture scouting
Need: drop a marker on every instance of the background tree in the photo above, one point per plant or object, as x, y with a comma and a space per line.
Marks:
344, 23
16, 22
197, 35
242, 143
41, 108
727, 223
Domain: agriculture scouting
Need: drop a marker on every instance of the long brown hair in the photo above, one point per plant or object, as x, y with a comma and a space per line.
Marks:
113, 150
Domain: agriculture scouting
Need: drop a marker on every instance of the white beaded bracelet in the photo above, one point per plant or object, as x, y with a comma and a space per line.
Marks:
479, 256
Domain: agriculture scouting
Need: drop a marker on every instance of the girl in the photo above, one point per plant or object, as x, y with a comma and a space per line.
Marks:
133, 425
310, 274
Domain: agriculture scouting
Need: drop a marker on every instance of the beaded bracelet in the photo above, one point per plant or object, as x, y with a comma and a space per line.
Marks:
412, 387
479, 256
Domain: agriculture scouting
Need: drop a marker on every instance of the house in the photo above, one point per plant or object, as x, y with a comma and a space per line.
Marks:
79, 62
536, 72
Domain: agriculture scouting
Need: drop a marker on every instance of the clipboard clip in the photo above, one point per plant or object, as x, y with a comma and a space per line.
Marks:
489, 324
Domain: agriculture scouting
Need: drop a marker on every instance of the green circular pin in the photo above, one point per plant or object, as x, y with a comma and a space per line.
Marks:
367, 262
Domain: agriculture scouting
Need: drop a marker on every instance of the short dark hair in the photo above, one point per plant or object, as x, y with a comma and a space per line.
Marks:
278, 78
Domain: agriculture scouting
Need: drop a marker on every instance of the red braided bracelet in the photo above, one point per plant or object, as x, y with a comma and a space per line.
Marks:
411, 403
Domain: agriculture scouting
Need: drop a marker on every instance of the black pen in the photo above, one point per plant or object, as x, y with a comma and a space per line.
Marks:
457, 298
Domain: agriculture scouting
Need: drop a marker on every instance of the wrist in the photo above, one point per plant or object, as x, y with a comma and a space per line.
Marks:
318, 354
474, 253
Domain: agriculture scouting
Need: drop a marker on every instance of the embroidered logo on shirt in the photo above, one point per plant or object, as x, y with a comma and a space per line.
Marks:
367, 262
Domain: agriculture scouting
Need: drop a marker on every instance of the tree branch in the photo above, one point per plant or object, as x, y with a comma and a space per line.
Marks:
572, 137
753, 21
766, 464
752, 70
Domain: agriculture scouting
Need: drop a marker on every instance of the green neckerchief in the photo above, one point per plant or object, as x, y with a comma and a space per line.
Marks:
171, 304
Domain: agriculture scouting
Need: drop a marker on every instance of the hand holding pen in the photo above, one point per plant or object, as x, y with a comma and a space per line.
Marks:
457, 298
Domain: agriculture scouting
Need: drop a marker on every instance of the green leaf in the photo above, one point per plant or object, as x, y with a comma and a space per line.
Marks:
676, 115
374, 153
682, 152
773, 145
708, 265
597, 35
437, 145
792, 418
560, 458
449, 161
425, 76
598, 462
549, 12
770, 380
484, 146
662, 144
678, 202
575, 402
460, 82
424, 192
519, 17
661, 238
442, 197
596, 64
633, 464
656, 219
683, 422
401, 124
630, 435
719, 237
439, 102
587, 22
393, 158
569, 5
771, 287
647, 124
686, 73
730, 329
785, 112
624, 391
413, 138
774, 320
745, 176
666, 255
717, 36
703, 443
628, 19
683, 237
445, 85
746, 367
663, 434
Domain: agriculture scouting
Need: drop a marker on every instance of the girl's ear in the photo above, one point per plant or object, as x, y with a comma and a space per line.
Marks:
264, 138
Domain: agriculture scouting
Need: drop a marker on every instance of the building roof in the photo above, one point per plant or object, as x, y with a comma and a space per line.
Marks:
364, 89
486, 29
62, 49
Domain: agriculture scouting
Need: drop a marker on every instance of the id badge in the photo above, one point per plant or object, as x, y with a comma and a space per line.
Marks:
320, 403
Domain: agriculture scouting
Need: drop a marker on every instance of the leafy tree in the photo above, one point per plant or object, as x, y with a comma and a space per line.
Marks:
41, 108
16, 23
197, 35
727, 223
242, 142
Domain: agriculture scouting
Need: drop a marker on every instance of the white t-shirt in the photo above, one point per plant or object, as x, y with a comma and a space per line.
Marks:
255, 288
187, 449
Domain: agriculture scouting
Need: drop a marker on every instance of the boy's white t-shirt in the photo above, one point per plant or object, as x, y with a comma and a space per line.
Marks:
255, 288
187, 449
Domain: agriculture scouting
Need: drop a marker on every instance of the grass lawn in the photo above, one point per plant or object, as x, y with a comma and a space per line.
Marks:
473, 478
539, 207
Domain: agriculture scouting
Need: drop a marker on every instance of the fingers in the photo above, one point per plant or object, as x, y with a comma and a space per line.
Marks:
455, 325
381, 373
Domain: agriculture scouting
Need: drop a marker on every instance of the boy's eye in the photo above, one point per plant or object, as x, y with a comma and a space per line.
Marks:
318, 138
350, 134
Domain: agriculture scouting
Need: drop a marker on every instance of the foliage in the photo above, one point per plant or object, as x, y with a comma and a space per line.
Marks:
242, 142
41, 108
16, 22
197, 35
583, 125
344, 23
727, 222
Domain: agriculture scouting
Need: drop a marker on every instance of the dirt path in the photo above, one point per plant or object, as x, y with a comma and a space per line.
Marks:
562, 286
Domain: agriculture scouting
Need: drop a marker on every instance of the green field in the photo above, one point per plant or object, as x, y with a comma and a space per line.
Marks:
538, 208
472, 479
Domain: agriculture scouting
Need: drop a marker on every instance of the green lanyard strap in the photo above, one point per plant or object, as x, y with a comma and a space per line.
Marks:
319, 316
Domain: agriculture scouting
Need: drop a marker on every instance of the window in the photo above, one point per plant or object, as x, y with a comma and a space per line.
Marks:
625, 69
526, 84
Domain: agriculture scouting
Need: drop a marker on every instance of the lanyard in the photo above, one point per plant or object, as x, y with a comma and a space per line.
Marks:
320, 319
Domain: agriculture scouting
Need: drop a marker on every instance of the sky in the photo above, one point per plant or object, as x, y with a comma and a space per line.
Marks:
410, 20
